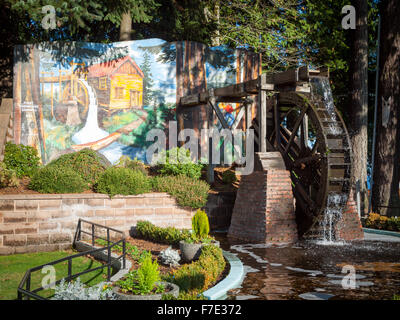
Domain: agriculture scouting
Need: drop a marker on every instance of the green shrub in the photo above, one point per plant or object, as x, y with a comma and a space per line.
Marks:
8, 177
187, 191
198, 276
229, 177
178, 161
52, 179
144, 279
135, 164
376, 221
169, 235
87, 163
200, 224
122, 181
24, 160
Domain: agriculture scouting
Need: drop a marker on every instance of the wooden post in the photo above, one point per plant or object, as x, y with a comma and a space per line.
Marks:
277, 123
262, 113
210, 167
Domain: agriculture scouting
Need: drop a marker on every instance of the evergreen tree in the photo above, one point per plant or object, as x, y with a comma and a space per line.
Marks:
148, 95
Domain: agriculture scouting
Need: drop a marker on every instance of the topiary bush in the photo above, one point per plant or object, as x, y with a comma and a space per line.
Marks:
24, 160
187, 191
122, 181
200, 224
87, 163
54, 179
178, 161
8, 177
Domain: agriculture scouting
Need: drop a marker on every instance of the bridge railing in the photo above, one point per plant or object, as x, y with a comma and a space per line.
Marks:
25, 290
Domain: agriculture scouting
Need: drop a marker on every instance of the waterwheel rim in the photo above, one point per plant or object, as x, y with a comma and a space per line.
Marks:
319, 169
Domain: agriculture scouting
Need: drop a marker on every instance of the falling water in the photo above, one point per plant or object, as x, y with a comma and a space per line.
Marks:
336, 201
91, 131
331, 218
321, 88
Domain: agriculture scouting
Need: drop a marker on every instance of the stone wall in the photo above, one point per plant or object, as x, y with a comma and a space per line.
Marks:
37, 222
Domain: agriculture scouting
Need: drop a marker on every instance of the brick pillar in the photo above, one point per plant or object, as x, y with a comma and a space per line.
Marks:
264, 209
349, 226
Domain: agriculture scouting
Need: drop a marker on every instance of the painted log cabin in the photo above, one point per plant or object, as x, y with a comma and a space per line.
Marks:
118, 84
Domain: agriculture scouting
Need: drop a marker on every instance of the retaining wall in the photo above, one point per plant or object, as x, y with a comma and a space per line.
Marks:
47, 222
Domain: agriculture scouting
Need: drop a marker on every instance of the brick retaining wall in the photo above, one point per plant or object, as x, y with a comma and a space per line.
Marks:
47, 222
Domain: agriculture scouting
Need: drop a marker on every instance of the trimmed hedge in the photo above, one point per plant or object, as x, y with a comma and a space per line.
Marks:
87, 163
188, 192
122, 181
147, 230
53, 179
200, 275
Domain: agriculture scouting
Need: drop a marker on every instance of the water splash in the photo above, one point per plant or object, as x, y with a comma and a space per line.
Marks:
331, 218
91, 131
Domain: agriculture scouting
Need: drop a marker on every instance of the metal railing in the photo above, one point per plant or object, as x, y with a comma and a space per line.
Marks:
24, 288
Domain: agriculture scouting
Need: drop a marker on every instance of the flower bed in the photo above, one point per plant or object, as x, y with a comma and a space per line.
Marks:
376, 221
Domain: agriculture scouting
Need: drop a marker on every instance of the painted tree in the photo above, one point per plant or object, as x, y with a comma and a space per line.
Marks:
147, 80
385, 197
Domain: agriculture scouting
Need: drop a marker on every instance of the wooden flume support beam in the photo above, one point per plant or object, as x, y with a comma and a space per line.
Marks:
290, 80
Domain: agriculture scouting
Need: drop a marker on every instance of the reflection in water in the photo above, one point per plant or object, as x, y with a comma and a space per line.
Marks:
311, 271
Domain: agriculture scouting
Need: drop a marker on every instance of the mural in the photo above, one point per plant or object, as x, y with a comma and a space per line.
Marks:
70, 96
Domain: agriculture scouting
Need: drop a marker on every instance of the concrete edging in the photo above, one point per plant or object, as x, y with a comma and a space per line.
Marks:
234, 278
384, 232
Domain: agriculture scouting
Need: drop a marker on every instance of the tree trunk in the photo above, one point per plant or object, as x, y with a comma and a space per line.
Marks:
385, 197
179, 86
359, 102
125, 29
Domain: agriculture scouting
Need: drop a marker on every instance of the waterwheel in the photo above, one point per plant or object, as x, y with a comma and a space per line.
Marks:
315, 145
77, 92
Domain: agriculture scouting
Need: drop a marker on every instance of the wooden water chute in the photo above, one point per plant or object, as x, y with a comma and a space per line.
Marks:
294, 119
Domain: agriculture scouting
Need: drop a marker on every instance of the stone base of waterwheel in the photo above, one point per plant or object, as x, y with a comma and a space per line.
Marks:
264, 206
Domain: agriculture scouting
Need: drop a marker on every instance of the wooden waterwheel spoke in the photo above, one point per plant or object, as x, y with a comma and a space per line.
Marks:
296, 127
314, 148
304, 133
304, 194
307, 160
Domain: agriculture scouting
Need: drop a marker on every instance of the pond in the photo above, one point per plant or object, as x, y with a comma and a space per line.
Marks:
312, 270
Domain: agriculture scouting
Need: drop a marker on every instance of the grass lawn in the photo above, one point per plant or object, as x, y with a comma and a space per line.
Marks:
13, 268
